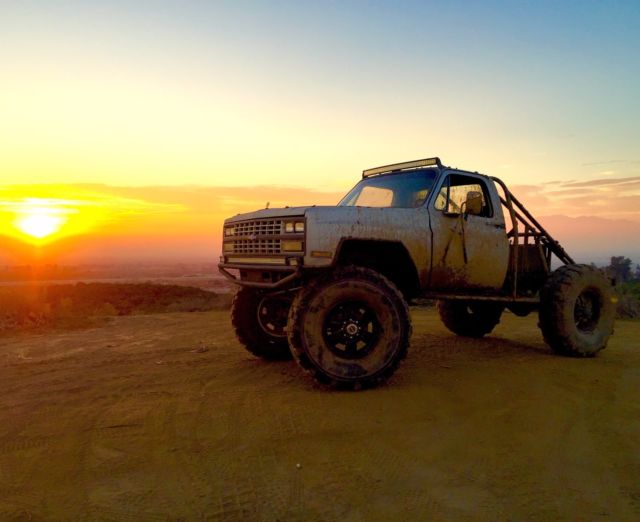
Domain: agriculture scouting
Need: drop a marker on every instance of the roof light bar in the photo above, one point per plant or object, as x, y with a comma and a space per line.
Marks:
428, 162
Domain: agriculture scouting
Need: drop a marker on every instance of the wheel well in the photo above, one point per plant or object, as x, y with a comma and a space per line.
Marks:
389, 258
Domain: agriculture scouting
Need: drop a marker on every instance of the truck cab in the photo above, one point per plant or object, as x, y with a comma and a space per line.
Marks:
410, 220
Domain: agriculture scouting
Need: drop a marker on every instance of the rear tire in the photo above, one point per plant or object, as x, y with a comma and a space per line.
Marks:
470, 318
259, 320
349, 328
576, 311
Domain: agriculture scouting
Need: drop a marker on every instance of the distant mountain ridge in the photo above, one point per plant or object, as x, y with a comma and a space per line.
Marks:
595, 239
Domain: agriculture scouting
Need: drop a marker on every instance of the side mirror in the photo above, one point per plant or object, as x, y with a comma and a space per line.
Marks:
473, 203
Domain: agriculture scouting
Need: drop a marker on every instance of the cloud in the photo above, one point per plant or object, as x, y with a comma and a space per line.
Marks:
602, 182
43, 214
612, 198
611, 162
15, 198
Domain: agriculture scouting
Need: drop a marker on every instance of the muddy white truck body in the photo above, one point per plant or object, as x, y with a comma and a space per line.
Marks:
414, 229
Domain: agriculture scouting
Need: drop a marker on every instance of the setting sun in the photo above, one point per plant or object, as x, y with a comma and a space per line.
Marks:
40, 220
41, 215
40, 225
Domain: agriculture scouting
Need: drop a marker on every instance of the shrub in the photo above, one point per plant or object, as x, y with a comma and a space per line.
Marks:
628, 294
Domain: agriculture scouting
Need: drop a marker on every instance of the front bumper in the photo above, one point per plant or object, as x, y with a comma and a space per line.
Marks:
285, 275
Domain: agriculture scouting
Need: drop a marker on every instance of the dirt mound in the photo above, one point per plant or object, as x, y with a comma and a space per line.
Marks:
33, 306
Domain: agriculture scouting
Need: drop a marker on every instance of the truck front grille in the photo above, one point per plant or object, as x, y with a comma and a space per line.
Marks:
257, 246
261, 227
263, 237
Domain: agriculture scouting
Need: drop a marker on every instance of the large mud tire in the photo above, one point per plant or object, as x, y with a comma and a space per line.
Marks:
263, 339
576, 311
470, 318
349, 328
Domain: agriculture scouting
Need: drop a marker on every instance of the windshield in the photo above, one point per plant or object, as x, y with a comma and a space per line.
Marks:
400, 190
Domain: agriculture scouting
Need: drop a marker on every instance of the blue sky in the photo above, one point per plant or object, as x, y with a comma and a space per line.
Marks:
310, 93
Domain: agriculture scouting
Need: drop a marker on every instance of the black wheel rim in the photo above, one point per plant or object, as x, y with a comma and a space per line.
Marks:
273, 312
586, 312
351, 330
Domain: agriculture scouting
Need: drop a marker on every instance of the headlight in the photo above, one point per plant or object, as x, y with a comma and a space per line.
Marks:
229, 231
228, 247
294, 226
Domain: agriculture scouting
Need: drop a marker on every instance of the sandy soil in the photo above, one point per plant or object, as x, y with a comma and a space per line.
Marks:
132, 422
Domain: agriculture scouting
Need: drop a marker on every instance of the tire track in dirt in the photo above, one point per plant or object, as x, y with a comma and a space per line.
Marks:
487, 430
118, 442
236, 485
606, 403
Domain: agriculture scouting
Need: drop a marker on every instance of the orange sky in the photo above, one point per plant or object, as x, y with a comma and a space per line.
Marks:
596, 218
130, 223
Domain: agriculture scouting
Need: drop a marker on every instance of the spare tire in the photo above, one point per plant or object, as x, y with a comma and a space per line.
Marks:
576, 311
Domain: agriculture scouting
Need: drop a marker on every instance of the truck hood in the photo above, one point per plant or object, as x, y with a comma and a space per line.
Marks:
267, 213
357, 216
327, 214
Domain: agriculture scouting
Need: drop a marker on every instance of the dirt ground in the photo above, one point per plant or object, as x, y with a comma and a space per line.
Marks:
132, 422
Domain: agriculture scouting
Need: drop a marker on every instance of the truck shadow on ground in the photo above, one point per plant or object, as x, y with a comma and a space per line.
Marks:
449, 346
426, 352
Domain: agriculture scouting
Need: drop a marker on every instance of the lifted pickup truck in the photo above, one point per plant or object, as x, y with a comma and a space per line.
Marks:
330, 285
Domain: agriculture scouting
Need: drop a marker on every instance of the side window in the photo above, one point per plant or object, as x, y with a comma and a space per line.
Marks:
453, 194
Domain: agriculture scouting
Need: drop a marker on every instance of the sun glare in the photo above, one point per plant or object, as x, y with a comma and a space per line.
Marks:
40, 225
40, 220
51, 213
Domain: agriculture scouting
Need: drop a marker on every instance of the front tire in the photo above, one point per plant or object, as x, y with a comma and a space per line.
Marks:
470, 318
349, 328
576, 311
260, 322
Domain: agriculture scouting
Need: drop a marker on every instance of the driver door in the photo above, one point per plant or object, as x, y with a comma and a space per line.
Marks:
468, 250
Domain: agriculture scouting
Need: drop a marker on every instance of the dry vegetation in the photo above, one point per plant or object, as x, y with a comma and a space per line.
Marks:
36, 306
627, 288
628, 300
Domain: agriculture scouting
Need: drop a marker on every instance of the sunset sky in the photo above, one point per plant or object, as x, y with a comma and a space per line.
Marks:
125, 124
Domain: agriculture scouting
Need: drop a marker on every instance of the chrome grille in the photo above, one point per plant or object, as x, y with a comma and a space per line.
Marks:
257, 246
262, 227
